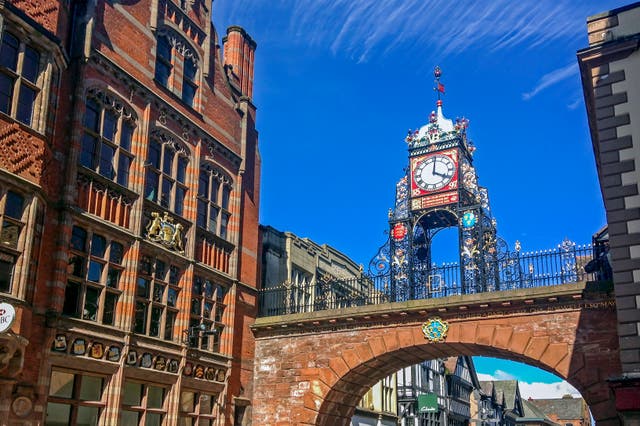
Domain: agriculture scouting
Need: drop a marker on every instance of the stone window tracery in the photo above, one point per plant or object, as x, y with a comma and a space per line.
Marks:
157, 290
165, 180
173, 54
108, 129
95, 267
214, 194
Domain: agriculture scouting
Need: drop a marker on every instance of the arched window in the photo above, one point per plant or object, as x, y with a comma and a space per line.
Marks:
174, 56
108, 128
214, 194
165, 180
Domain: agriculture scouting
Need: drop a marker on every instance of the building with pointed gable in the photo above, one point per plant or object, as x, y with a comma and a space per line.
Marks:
129, 193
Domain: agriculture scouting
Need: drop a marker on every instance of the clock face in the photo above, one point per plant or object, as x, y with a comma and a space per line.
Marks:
434, 173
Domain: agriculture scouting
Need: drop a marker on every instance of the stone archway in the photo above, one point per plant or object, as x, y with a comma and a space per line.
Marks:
317, 378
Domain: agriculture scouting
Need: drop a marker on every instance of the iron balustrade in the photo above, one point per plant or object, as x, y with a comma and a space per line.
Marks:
514, 270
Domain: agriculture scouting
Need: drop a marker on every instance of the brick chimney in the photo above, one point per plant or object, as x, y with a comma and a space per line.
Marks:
239, 48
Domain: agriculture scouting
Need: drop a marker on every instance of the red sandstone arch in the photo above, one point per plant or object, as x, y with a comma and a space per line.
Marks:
318, 378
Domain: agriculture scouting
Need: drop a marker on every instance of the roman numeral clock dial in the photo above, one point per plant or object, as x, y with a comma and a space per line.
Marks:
434, 173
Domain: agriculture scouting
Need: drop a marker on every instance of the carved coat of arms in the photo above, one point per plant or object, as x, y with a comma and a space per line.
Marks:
162, 229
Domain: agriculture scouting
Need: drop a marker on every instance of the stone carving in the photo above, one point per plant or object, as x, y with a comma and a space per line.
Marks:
163, 230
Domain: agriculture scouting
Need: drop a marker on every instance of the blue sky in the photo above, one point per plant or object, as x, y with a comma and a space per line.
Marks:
339, 82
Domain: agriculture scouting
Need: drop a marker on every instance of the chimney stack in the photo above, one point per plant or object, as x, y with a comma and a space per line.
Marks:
239, 48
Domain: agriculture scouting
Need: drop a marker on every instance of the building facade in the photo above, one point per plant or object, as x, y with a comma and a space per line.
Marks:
129, 192
565, 411
300, 267
610, 72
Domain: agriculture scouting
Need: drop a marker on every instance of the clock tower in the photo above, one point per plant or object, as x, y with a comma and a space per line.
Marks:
440, 190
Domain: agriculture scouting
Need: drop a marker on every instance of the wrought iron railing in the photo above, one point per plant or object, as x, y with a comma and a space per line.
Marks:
514, 270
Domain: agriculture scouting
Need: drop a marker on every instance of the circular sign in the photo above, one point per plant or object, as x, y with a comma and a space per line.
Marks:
469, 219
399, 231
7, 315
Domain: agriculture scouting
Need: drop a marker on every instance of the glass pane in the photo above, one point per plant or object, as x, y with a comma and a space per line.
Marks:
185, 421
110, 301
10, 234
196, 287
163, 71
109, 125
182, 169
224, 224
30, 64
203, 184
164, 49
26, 99
9, 51
195, 306
190, 69
179, 204
132, 394
89, 151
145, 265
98, 245
214, 191
154, 154
155, 397
201, 219
161, 270
208, 289
226, 193
88, 416
92, 116
6, 93
129, 417
174, 274
78, 239
116, 253
91, 388
206, 404
6, 274
167, 187
124, 164
14, 205
140, 323
151, 186
167, 161
208, 307
126, 135
58, 414
158, 292
91, 304
187, 402
172, 297
142, 289
71, 299
61, 384
188, 93
168, 325
95, 271
113, 278
213, 219
107, 154
156, 317
153, 419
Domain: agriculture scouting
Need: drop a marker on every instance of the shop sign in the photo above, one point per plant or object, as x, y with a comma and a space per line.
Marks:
428, 403
7, 316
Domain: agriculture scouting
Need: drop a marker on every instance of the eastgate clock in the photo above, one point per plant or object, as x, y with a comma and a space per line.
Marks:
434, 172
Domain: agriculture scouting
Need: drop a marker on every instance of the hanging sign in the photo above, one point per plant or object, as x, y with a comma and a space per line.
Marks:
7, 316
399, 231
428, 403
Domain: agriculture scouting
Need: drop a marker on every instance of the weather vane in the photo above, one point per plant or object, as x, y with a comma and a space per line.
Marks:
437, 72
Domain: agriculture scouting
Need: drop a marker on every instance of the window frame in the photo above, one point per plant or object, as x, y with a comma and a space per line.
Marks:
80, 279
174, 62
206, 307
165, 171
143, 408
124, 123
213, 202
75, 401
11, 235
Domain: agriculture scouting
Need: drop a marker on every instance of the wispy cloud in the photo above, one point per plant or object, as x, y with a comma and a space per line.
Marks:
365, 29
535, 390
551, 78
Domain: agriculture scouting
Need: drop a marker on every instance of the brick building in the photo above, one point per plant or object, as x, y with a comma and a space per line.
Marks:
566, 411
129, 193
610, 72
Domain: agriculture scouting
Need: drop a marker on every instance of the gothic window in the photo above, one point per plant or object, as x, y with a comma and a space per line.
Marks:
143, 404
207, 310
165, 181
156, 298
173, 53
214, 193
12, 206
94, 272
106, 141
197, 409
19, 74
75, 398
